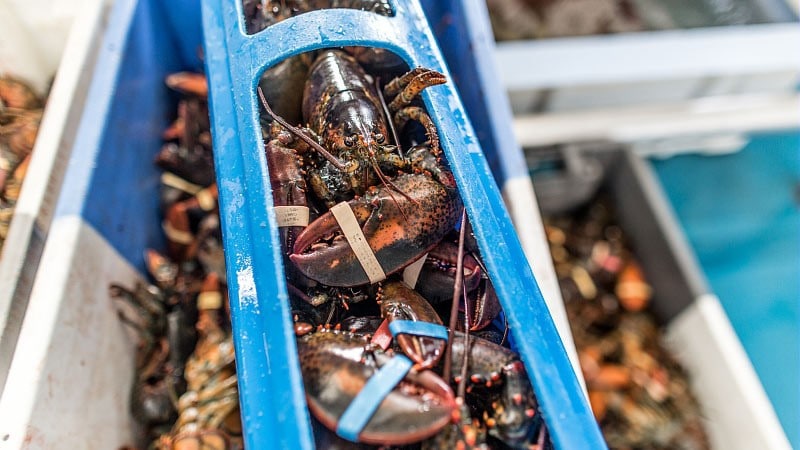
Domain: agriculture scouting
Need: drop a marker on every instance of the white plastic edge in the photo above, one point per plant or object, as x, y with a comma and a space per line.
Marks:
649, 56
739, 413
695, 118
70, 376
36, 204
27, 367
34, 37
523, 208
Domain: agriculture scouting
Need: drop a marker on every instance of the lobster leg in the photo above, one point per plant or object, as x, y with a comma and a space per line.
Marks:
400, 302
499, 385
408, 86
416, 113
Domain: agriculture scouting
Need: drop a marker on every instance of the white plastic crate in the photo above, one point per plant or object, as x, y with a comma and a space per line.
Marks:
69, 380
38, 44
737, 412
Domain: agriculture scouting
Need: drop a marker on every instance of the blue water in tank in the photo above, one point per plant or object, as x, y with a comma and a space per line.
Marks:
741, 213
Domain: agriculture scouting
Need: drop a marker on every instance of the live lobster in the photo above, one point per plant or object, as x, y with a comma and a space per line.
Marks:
348, 150
346, 154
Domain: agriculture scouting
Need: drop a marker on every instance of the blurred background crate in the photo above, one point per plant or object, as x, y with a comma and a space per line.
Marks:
39, 45
666, 92
69, 381
740, 214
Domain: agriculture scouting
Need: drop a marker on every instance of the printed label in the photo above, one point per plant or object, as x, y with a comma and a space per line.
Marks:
291, 216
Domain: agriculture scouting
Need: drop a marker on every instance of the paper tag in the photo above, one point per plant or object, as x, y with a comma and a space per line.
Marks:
209, 300
206, 200
358, 242
174, 181
291, 216
411, 272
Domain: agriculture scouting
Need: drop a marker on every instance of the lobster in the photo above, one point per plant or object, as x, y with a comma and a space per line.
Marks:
208, 412
336, 362
336, 365
165, 341
346, 155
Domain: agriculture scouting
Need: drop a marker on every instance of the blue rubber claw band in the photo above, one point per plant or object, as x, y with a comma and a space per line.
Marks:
363, 407
415, 328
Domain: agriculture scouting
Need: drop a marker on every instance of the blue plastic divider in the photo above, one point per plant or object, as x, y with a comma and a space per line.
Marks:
111, 180
271, 393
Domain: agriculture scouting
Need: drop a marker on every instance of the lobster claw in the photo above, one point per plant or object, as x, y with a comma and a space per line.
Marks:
400, 223
333, 374
438, 274
437, 279
400, 302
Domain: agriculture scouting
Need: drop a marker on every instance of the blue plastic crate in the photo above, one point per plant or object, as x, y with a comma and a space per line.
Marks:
271, 392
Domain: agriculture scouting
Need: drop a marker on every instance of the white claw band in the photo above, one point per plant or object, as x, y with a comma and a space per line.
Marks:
206, 200
411, 272
175, 235
174, 181
291, 216
209, 300
358, 242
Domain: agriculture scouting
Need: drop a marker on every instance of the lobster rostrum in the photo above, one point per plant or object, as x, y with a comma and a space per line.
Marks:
347, 154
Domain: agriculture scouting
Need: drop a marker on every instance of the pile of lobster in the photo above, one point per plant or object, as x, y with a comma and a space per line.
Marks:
378, 257
20, 114
184, 392
638, 391
366, 191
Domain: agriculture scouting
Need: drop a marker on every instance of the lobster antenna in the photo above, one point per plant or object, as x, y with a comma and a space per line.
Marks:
462, 384
391, 186
448, 360
296, 131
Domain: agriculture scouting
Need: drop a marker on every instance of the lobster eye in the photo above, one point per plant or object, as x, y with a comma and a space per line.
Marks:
349, 141
380, 138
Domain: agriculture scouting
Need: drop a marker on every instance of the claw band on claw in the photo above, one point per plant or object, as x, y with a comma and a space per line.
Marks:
411, 273
358, 242
361, 409
418, 328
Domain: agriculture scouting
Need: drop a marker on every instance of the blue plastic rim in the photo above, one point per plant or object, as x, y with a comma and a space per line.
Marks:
271, 391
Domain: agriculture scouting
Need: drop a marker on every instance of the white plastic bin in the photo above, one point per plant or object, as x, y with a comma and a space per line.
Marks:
737, 412
39, 43
69, 381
